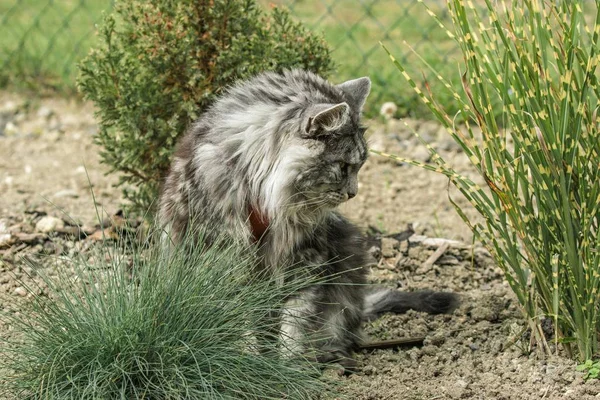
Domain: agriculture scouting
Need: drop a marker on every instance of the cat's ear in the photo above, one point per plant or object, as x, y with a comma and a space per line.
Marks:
324, 118
357, 91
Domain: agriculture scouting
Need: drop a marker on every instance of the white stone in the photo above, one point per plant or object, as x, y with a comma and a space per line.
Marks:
420, 154
66, 193
20, 291
5, 238
45, 112
9, 107
10, 129
49, 224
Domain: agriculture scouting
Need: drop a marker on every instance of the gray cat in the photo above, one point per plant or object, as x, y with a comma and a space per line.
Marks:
268, 163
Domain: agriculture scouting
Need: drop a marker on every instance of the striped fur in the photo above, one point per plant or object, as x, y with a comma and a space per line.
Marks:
276, 155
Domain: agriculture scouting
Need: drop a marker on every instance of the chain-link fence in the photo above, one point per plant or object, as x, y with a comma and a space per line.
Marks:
355, 28
42, 40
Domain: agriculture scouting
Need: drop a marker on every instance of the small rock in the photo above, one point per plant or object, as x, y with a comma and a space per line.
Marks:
20, 291
49, 224
5, 239
5, 236
420, 154
447, 259
414, 354
461, 383
455, 355
9, 107
374, 251
429, 350
435, 340
10, 129
387, 247
45, 112
484, 313
369, 370
66, 193
51, 248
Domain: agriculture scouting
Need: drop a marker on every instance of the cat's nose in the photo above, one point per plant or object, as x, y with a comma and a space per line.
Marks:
351, 195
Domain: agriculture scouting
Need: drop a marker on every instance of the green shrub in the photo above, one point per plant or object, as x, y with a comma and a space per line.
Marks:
182, 325
162, 62
539, 60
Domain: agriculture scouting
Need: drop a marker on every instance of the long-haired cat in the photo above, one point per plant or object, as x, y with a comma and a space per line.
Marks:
268, 163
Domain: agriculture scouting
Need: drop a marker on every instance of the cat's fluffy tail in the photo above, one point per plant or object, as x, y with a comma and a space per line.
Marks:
383, 301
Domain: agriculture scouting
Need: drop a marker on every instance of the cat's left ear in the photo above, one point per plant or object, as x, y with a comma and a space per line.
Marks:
325, 118
357, 91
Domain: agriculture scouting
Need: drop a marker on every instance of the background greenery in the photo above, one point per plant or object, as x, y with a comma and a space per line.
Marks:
158, 64
42, 40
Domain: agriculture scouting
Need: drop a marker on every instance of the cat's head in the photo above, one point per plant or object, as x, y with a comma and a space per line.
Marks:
329, 149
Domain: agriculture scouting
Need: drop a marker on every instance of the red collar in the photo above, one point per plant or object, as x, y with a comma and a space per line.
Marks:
259, 223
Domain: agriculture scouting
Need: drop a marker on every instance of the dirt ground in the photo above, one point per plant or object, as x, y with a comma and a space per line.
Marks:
481, 351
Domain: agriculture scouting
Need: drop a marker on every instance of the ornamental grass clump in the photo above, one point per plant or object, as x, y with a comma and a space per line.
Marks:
183, 325
530, 85
160, 63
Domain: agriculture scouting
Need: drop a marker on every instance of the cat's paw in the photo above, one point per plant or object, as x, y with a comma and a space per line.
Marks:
340, 361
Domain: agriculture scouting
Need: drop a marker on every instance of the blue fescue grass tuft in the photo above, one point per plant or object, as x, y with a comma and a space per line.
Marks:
155, 325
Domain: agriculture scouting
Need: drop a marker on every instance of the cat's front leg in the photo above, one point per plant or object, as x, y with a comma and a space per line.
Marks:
340, 331
323, 323
297, 321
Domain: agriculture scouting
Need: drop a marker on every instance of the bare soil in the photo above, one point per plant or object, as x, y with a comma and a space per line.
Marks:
481, 351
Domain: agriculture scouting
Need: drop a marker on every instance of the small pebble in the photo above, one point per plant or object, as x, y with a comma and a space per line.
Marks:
5, 239
10, 129
420, 154
20, 291
66, 193
49, 224
45, 112
387, 247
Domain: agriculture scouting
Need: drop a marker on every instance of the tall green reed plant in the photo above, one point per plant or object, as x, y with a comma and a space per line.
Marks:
155, 325
530, 84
